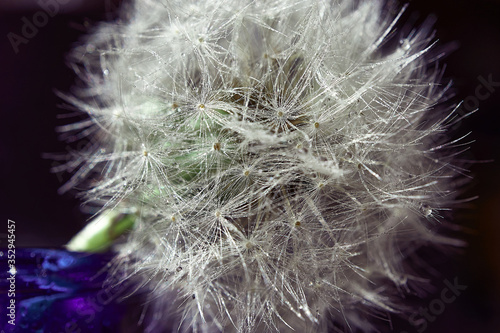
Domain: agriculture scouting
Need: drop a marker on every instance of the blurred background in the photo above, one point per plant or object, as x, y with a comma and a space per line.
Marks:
32, 69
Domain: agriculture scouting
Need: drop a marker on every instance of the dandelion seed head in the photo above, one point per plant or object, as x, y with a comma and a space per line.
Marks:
286, 158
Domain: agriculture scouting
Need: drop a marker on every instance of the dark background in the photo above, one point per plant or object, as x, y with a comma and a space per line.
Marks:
29, 109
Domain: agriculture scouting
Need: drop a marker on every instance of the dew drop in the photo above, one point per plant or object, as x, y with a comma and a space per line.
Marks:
427, 210
405, 44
